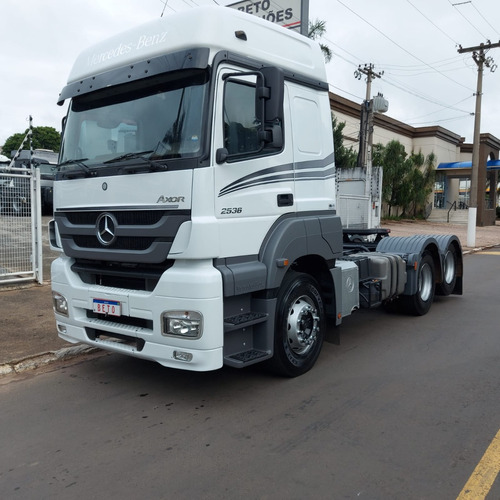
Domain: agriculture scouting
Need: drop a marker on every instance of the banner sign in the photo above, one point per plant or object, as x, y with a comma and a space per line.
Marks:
287, 13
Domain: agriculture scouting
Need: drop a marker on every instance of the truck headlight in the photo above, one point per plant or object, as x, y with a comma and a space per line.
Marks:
187, 324
60, 303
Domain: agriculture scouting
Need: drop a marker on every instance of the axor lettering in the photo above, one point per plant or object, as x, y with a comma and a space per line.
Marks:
170, 199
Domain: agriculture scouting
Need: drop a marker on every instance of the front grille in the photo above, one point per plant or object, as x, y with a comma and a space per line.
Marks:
125, 217
121, 243
115, 275
106, 337
123, 320
142, 236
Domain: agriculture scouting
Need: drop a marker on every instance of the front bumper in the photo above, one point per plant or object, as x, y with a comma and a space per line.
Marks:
186, 286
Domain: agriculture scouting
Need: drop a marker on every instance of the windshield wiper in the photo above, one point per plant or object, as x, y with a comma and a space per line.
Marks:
76, 162
130, 156
150, 166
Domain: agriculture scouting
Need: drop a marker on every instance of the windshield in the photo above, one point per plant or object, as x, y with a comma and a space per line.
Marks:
46, 168
154, 119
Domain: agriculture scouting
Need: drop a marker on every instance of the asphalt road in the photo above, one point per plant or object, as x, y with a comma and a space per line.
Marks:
404, 408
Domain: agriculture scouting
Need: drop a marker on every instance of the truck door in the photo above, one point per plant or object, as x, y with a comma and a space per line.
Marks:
254, 183
313, 148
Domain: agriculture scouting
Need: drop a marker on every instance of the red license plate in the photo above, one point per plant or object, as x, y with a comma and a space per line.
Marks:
107, 307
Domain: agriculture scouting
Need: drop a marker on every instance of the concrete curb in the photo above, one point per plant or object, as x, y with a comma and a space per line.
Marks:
43, 359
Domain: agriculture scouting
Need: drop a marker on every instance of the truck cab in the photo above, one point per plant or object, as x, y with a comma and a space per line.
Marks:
195, 205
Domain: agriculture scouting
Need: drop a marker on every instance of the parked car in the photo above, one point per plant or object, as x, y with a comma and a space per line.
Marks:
15, 198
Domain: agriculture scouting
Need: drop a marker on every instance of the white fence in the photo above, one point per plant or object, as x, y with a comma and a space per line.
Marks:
354, 211
20, 226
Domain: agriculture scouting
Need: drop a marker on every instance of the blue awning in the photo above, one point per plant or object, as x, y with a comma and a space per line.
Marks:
455, 165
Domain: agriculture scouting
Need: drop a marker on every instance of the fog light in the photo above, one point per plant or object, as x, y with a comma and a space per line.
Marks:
61, 329
186, 324
60, 303
183, 356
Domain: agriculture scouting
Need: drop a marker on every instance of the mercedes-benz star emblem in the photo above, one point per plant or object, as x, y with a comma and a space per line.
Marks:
105, 229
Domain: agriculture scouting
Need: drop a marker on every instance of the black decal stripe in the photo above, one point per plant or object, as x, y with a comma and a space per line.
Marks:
314, 170
258, 182
259, 173
311, 164
322, 174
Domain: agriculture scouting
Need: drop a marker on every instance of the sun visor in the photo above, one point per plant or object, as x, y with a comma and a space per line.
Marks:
185, 59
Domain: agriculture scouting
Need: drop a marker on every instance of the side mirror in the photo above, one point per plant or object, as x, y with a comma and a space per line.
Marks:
269, 105
271, 91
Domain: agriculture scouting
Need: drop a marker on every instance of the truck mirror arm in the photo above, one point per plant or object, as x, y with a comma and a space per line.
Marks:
221, 155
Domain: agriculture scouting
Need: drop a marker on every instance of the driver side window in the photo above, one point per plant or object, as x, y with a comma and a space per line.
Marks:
241, 127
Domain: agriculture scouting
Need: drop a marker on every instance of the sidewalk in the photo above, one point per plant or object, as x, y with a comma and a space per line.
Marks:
485, 236
28, 335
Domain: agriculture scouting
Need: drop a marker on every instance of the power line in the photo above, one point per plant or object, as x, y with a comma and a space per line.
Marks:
393, 82
345, 91
415, 93
417, 67
452, 119
439, 111
485, 20
401, 47
463, 15
432, 22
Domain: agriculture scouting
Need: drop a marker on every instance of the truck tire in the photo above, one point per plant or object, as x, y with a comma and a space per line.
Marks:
420, 303
450, 265
300, 325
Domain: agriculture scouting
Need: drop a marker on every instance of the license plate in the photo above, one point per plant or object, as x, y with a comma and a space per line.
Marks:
108, 307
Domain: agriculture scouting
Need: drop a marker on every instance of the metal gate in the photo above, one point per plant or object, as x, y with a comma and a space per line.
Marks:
20, 226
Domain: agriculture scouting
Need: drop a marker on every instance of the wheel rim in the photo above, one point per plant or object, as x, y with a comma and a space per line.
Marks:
449, 267
426, 282
302, 325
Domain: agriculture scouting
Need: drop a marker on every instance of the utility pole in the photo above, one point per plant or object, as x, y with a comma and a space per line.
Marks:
368, 71
368, 108
365, 134
479, 56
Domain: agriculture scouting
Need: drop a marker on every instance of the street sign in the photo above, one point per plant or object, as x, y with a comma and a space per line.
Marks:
291, 14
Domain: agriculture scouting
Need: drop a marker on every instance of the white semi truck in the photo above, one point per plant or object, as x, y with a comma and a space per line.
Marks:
194, 204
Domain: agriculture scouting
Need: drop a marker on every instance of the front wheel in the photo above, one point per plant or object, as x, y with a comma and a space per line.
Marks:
300, 325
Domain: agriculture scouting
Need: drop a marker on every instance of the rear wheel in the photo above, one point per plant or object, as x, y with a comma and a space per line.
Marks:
420, 303
449, 272
300, 325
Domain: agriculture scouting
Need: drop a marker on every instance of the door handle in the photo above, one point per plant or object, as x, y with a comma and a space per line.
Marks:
285, 200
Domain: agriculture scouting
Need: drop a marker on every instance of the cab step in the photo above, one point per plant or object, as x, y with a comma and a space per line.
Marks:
244, 320
246, 358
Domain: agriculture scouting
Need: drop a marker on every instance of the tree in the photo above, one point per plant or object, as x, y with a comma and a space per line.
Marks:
396, 167
344, 157
13, 142
407, 181
316, 30
422, 180
42, 138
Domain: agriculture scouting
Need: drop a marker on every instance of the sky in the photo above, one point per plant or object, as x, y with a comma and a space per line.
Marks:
414, 42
